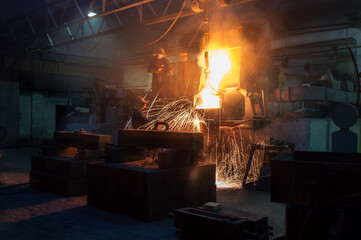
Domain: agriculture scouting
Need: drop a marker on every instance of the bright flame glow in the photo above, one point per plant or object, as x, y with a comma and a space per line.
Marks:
224, 184
91, 14
219, 66
196, 124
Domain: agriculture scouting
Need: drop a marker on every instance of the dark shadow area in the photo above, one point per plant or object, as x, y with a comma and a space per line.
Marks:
86, 223
22, 196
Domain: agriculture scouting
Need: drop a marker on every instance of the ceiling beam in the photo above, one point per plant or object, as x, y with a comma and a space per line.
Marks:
162, 19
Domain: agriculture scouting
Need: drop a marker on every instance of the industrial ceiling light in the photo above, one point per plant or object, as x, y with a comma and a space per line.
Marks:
91, 14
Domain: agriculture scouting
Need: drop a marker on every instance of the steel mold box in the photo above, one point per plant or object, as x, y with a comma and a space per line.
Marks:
315, 178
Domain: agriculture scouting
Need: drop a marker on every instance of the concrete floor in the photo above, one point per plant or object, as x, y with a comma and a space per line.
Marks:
26, 213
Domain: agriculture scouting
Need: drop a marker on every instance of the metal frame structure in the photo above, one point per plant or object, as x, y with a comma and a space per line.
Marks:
68, 18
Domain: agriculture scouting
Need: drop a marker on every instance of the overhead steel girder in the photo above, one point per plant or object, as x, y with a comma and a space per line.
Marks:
108, 13
122, 27
57, 12
153, 12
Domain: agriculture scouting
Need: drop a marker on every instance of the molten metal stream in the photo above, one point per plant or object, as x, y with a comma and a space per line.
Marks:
217, 64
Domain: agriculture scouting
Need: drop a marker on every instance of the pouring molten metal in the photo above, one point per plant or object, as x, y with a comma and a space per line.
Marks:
216, 65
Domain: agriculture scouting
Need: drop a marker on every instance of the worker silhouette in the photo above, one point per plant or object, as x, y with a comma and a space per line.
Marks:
160, 68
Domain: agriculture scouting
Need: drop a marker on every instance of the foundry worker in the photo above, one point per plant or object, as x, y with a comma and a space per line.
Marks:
138, 115
160, 68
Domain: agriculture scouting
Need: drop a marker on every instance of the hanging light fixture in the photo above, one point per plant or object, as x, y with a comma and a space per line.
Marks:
91, 14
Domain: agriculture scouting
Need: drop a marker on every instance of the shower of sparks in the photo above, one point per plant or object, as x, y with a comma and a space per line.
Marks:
228, 151
231, 155
180, 115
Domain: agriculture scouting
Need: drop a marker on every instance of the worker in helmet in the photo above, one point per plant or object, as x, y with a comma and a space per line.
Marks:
160, 68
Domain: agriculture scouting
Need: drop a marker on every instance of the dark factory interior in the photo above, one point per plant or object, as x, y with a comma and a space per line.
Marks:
180, 119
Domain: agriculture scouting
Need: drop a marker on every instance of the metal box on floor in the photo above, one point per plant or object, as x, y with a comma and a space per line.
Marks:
141, 190
315, 178
60, 185
59, 175
62, 166
81, 139
322, 192
196, 223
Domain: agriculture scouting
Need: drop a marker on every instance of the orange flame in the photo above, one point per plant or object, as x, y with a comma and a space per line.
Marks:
219, 65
